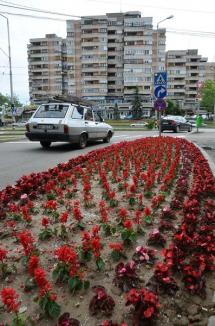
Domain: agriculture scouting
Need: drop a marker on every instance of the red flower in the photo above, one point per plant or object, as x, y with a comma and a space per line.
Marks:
123, 213
132, 296
64, 217
51, 204
116, 246
95, 230
42, 283
3, 254
45, 221
66, 254
9, 296
96, 246
32, 264
127, 224
147, 211
76, 211
27, 241
149, 312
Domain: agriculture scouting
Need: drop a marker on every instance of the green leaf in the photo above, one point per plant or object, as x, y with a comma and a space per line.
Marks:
86, 285
132, 201
52, 309
132, 236
124, 235
43, 303
100, 264
45, 234
75, 284
115, 255
60, 273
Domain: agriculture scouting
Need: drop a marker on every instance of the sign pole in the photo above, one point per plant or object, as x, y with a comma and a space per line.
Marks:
160, 92
159, 123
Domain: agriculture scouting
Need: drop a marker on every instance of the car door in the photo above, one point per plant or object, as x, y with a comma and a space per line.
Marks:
101, 130
184, 125
89, 123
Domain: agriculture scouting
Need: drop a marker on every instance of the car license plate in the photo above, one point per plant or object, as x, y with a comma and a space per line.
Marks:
45, 127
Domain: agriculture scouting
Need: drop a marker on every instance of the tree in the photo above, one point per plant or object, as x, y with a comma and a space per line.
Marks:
116, 113
172, 108
136, 105
5, 99
208, 95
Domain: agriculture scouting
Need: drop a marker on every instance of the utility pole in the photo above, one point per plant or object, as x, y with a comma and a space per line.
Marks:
157, 65
9, 57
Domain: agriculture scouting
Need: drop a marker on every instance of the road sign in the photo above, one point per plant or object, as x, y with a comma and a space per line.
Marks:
160, 91
159, 105
160, 78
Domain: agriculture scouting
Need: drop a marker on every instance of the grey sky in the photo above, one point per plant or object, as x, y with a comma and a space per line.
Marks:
188, 15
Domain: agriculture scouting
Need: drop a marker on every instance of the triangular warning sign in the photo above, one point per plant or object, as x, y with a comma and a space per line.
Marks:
160, 80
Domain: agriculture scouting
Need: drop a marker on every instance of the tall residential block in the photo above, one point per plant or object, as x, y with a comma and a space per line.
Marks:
110, 55
103, 59
186, 71
46, 60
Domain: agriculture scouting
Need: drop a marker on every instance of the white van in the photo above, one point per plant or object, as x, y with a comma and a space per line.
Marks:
67, 122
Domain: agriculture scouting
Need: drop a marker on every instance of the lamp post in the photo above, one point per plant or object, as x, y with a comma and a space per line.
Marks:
157, 65
9, 57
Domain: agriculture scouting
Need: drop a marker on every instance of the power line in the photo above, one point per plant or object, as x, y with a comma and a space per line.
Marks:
188, 32
15, 67
192, 33
33, 16
14, 5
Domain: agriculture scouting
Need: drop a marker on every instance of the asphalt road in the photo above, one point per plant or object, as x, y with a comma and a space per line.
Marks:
24, 157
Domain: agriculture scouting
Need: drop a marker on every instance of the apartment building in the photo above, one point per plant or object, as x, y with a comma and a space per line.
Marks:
102, 59
186, 71
46, 60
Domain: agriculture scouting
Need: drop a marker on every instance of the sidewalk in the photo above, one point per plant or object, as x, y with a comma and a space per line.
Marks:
205, 139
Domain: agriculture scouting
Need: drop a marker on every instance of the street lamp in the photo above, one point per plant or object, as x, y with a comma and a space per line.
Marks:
9, 57
169, 17
157, 65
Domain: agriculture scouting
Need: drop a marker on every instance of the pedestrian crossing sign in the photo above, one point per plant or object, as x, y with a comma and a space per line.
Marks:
160, 78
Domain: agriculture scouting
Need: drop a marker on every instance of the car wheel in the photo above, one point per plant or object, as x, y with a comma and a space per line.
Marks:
107, 138
45, 144
82, 141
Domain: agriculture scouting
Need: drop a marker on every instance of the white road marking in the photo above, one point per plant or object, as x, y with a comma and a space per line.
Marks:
119, 136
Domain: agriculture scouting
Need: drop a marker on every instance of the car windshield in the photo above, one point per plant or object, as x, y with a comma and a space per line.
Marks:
52, 111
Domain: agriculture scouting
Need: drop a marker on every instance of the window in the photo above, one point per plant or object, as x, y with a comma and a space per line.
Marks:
78, 112
97, 117
51, 111
89, 115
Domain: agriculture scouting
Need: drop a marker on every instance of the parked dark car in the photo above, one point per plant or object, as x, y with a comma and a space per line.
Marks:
175, 123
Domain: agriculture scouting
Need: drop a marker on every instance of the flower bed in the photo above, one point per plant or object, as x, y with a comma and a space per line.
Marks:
119, 236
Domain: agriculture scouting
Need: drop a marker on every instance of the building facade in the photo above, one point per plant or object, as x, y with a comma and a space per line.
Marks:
186, 71
46, 60
103, 59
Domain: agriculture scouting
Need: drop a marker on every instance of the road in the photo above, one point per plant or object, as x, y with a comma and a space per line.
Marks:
23, 157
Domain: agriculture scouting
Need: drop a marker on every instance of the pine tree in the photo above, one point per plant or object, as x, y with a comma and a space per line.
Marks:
136, 105
116, 113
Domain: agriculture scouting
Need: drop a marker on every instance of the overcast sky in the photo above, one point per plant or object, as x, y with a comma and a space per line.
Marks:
188, 15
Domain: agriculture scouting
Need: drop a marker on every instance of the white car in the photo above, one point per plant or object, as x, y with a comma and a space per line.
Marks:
67, 122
